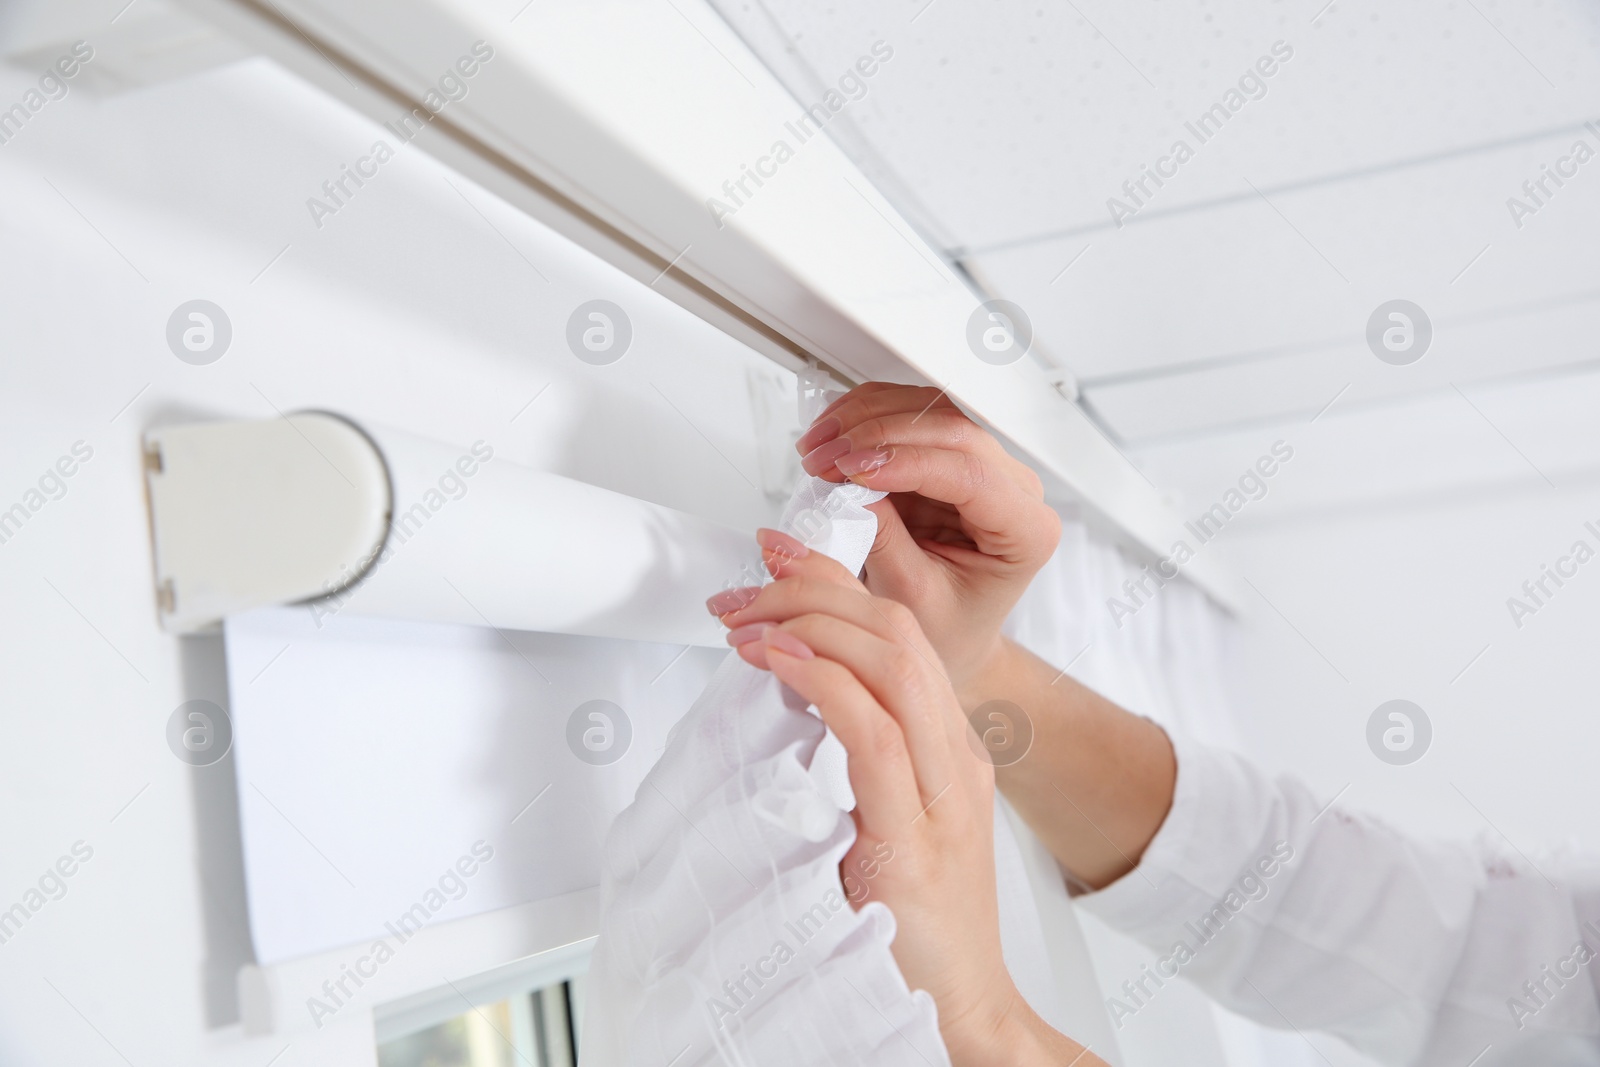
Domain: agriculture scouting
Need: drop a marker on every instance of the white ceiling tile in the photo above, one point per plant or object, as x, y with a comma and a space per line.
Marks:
1296, 275
1548, 343
1428, 450
1010, 121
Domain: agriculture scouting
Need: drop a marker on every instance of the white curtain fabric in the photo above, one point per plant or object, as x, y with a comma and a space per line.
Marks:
726, 935
1171, 661
728, 860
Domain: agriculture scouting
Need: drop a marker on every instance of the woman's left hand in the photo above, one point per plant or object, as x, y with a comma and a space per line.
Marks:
924, 799
924, 792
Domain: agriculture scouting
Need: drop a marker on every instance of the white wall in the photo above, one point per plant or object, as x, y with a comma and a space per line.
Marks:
1392, 542
419, 305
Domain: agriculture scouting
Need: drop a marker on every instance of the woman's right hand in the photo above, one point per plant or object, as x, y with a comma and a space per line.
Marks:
964, 528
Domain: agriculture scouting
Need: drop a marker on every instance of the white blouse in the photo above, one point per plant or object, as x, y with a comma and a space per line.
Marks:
1308, 917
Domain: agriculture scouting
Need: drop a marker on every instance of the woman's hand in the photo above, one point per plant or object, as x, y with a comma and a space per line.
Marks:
965, 526
924, 798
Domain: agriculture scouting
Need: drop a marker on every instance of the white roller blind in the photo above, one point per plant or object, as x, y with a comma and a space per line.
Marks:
379, 761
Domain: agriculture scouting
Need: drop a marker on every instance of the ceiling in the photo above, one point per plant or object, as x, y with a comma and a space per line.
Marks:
1375, 163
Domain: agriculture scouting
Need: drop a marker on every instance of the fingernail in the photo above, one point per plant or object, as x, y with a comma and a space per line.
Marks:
823, 456
780, 543
863, 462
821, 432
787, 643
732, 600
743, 635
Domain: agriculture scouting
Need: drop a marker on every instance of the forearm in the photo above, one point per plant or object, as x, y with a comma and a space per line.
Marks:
1097, 781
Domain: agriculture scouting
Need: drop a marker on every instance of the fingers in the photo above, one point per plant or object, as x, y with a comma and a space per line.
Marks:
806, 581
887, 793
815, 584
925, 519
818, 607
878, 413
786, 555
942, 427
904, 679
1002, 519
900, 671
872, 399
866, 419
916, 442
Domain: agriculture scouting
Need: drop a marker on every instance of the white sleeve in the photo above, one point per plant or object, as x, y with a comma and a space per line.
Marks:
1413, 952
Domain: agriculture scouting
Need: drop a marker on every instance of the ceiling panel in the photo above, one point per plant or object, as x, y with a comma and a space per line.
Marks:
1376, 163
1539, 349
1496, 443
1007, 122
1294, 277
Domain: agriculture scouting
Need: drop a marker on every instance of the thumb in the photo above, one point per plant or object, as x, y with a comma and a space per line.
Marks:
895, 562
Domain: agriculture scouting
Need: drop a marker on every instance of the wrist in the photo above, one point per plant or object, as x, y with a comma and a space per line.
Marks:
982, 674
1007, 1032
991, 1032
1011, 1034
